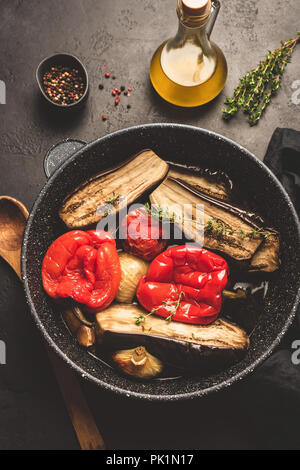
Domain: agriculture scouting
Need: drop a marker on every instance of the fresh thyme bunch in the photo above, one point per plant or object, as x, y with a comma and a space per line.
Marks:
257, 88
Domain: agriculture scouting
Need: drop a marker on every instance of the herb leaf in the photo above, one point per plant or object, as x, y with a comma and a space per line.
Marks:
257, 88
220, 228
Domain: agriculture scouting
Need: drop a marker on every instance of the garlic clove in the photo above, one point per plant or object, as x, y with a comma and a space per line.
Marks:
77, 311
138, 363
86, 336
71, 321
133, 269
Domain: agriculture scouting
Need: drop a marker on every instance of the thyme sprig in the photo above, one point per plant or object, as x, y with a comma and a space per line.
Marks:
114, 199
220, 228
107, 208
173, 304
257, 88
161, 214
142, 318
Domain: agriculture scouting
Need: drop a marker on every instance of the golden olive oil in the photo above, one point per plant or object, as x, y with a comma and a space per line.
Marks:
188, 96
189, 70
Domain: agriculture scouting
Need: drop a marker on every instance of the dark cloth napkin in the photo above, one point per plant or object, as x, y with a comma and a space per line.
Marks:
283, 158
276, 384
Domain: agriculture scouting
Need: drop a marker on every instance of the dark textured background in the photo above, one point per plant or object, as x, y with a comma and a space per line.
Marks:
123, 35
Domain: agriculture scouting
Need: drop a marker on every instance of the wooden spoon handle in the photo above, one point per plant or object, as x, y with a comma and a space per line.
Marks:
83, 422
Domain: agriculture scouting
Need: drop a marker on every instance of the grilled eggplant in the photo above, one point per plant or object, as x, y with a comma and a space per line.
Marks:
110, 191
202, 349
226, 228
206, 183
267, 257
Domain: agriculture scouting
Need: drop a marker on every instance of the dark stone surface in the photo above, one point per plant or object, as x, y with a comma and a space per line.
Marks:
123, 35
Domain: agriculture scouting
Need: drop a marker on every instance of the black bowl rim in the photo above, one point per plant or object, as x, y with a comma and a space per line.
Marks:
57, 105
112, 388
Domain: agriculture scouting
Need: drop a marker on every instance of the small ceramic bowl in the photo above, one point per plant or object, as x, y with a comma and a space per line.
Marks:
67, 60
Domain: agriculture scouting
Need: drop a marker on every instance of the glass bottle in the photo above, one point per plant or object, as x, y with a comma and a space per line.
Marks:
189, 70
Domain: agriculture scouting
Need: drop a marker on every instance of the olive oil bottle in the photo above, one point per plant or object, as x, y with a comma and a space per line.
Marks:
189, 70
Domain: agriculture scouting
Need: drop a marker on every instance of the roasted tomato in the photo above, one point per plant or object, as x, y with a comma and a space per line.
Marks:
142, 234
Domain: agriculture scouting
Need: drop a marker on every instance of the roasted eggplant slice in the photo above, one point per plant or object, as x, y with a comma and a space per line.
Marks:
110, 191
267, 257
205, 183
226, 228
204, 349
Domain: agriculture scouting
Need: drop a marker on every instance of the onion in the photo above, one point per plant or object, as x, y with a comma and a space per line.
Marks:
133, 269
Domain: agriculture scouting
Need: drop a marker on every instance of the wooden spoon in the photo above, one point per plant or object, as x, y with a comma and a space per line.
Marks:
13, 216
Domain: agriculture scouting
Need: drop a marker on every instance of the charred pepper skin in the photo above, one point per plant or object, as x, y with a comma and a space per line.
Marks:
83, 266
142, 234
185, 284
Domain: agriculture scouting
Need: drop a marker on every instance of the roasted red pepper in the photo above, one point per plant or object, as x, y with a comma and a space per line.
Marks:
142, 234
185, 284
83, 266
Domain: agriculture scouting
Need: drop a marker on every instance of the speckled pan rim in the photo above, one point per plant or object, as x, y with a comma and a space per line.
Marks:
112, 388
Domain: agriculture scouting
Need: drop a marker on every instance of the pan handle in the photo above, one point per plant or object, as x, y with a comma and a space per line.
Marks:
60, 153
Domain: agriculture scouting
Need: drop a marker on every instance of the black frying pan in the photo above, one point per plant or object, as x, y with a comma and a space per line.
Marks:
184, 145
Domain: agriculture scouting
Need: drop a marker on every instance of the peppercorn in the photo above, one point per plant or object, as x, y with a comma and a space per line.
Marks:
107, 75
101, 86
63, 85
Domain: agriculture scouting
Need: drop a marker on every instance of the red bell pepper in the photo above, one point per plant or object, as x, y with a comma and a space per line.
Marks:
83, 266
185, 284
142, 234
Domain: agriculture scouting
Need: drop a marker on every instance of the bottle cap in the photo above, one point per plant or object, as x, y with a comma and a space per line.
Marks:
200, 8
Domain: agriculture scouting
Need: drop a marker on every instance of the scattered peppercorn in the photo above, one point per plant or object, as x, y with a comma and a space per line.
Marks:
116, 92
63, 85
101, 86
